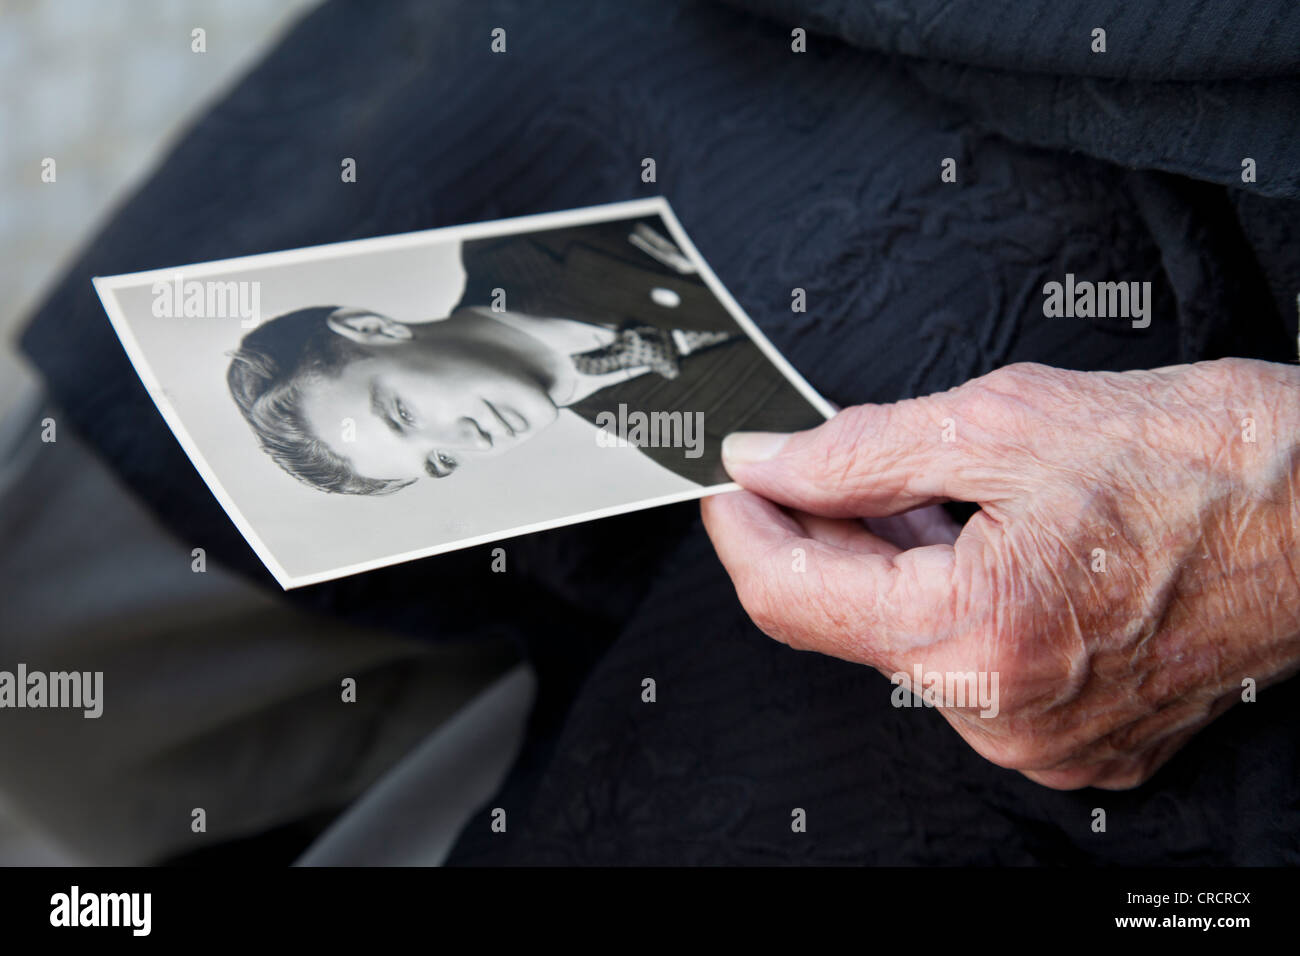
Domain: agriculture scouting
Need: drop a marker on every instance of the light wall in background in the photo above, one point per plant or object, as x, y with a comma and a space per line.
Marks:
103, 87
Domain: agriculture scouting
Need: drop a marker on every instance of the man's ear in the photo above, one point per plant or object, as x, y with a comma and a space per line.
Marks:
367, 328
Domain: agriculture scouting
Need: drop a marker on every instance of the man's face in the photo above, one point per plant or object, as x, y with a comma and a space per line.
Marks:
427, 399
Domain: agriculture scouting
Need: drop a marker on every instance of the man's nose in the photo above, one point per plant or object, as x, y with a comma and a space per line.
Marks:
473, 435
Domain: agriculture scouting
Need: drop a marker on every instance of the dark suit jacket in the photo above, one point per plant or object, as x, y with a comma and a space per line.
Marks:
592, 273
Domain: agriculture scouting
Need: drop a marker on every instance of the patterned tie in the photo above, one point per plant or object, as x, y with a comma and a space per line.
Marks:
638, 345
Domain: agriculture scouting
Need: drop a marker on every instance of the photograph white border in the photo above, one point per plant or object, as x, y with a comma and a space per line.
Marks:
107, 286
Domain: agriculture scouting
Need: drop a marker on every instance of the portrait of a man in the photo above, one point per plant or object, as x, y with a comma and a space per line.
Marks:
607, 320
396, 397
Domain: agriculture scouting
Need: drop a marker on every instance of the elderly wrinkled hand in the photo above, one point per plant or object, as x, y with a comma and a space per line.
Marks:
1133, 570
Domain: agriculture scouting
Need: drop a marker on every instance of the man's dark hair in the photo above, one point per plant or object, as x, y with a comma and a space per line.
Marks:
266, 376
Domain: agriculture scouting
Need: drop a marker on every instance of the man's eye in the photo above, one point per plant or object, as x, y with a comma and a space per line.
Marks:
403, 412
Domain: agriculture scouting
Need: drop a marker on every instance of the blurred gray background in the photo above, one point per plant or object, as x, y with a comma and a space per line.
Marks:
103, 87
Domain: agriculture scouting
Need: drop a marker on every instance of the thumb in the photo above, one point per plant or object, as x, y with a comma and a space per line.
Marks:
874, 460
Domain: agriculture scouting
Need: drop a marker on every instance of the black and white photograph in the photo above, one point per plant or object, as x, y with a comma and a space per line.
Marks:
433, 390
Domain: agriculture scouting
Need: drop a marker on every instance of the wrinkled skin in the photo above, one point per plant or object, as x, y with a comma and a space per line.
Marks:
1103, 675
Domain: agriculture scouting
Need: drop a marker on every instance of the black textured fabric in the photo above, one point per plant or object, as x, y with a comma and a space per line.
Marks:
1186, 86
820, 171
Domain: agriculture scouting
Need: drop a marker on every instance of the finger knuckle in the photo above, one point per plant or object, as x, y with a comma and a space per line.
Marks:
1024, 751
994, 392
1068, 778
1001, 653
1130, 775
1020, 374
752, 592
